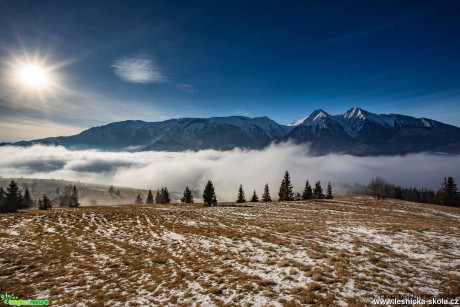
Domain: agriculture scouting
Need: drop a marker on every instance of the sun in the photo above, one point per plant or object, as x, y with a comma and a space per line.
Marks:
34, 76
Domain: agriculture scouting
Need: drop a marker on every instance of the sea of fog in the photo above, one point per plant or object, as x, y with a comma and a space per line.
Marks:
227, 169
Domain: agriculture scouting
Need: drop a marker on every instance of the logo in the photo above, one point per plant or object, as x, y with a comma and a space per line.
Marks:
12, 300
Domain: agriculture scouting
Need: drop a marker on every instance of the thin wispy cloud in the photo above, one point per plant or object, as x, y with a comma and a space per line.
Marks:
242, 112
187, 88
138, 69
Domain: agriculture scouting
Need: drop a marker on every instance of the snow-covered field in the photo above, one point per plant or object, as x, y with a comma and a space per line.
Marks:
339, 252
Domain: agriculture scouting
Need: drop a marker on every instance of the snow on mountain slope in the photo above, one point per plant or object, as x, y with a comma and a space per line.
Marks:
265, 124
355, 118
317, 117
356, 131
358, 114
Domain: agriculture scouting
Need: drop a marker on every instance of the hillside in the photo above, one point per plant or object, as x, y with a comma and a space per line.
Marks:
339, 252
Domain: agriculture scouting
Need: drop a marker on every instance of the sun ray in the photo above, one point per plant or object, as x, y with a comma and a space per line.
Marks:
33, 76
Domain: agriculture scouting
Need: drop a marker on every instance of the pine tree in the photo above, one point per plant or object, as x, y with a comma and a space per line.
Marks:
266, 195
318, 191
13, 199
448, 193
398, 193
45, 203
166, 197
74, 198
209, 195
158, 197
138, 200
286, 187
188, 196
149, 200
2, 197
254, 198
118, 193
162, 195
111, 190
307, 192
241, 198
28, 201
329, 191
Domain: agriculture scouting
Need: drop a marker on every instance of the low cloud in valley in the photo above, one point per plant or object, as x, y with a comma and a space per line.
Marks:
227, 169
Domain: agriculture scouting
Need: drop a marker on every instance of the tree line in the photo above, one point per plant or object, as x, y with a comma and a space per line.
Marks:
210, 199
13, 199
447, 193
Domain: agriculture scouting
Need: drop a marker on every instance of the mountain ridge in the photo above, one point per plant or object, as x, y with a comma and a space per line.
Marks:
356, 131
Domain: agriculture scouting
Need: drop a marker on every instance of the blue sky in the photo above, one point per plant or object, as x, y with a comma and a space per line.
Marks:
153, 60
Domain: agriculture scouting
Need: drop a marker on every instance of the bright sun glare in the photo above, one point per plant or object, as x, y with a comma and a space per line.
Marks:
34, 76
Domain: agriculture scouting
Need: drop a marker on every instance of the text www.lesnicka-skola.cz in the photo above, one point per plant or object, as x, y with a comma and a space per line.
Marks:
412, 300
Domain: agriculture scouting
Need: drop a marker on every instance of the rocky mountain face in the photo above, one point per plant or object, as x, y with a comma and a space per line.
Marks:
356, 132
360, 132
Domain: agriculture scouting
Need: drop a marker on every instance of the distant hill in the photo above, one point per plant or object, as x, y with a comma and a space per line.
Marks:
356, 132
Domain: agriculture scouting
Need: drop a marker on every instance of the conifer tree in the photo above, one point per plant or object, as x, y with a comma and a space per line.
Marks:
209, 195
448, 193
28, 201
188, 196
13, 199
138, 200
166, 197
111, 190
266, 195
241, 198
118, 193
329, 191
74, 202
307, 192
286, 187
2, 197
45, 203
254, 198
318, 191
398, 193
149, 200
162, 195
158, 197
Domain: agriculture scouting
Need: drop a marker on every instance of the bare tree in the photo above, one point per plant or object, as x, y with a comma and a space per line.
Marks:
378, 187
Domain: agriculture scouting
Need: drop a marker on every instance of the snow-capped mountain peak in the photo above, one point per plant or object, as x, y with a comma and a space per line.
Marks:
355, 118
316, 117
355, 112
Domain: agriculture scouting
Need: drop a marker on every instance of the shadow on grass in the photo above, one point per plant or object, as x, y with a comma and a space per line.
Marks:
233, 206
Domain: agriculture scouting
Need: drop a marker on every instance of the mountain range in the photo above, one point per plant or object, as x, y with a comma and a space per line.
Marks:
356, 132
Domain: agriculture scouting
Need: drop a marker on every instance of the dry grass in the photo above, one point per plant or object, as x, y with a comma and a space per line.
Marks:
337, 252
